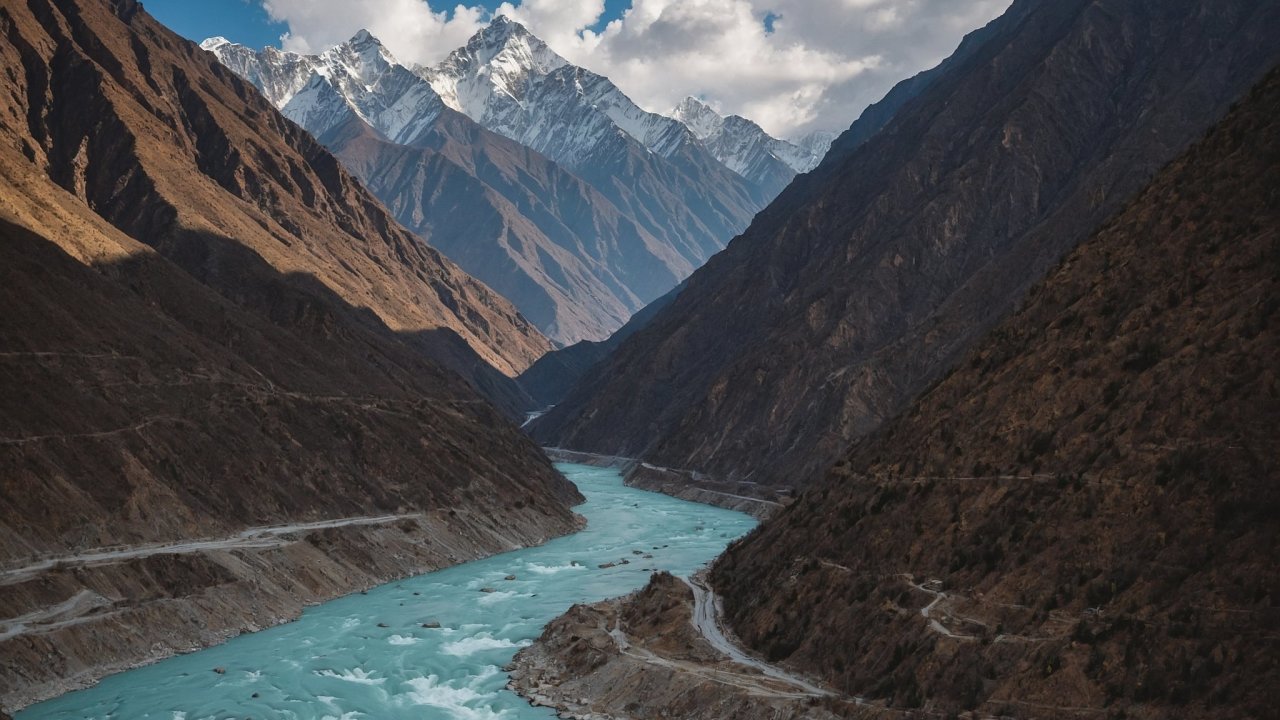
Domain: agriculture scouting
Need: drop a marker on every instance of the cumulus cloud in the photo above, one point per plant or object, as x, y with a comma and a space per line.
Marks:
412, 29
791, 65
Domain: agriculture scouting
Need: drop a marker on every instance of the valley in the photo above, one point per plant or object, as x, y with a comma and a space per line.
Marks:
431, 644
532, 360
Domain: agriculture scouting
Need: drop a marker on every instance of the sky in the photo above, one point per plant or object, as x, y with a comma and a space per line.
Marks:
793, 66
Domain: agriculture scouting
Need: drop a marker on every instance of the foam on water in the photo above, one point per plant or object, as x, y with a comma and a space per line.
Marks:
355, 675
541, 569
368, 656
479, 643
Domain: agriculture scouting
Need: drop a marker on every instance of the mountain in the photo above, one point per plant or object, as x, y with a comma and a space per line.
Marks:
1088, 500
549, 379
868, 278
571, 261
650, 166
747, 149
216, 333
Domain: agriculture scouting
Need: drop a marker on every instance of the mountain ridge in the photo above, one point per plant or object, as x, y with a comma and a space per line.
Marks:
1081, 508
869, 276
575, 262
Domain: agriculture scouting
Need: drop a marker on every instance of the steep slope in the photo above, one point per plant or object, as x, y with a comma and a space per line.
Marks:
651, 167
555, 374
747, 149
1081, 518
868, 277
572, 263
143, 98
247, 365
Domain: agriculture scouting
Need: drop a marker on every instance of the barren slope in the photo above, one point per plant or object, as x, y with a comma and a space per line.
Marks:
1081, 518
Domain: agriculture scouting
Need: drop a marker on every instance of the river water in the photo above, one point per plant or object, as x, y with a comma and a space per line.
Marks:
369, 656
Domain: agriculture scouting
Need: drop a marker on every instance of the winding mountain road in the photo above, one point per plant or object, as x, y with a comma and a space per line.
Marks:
707, 620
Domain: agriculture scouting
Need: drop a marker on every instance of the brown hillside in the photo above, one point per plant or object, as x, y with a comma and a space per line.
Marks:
1086, 508
172, 148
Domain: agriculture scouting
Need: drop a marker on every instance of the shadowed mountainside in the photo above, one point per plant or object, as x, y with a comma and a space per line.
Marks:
214, 330
868, 278
1080, 518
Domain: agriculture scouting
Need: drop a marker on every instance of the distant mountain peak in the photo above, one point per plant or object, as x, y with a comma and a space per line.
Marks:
742, 145
701, 119
214, 43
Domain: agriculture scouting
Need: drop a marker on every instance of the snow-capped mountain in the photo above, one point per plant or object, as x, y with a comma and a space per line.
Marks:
747, 149
650, 166
574, 262
319, 91
511, 82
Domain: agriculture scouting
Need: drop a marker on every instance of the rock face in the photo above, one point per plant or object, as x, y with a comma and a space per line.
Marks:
219, 330
869, 277
553, 244
1080, 518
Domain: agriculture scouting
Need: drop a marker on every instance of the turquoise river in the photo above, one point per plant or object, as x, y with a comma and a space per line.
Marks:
368, 656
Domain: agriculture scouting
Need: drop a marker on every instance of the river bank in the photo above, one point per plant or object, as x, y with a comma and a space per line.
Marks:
131, 607
745, 497
437, 640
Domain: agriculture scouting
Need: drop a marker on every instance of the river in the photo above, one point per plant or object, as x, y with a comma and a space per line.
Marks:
369, 656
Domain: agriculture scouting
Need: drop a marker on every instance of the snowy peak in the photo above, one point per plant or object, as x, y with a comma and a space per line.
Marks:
745, 147
363, 57
501, 58
511, 82
362, 77
213, 43
699, 117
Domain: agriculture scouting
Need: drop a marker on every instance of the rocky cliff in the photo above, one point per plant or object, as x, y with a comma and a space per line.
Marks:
868, 278
224, 379
1080, 518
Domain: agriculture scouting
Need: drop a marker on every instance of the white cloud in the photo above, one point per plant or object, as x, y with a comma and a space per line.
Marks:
412, 29
824, 61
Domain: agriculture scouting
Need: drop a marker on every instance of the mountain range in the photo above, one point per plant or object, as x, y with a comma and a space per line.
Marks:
869, 277
538, 177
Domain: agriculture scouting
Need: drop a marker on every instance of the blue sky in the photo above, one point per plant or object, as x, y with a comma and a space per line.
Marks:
245, 22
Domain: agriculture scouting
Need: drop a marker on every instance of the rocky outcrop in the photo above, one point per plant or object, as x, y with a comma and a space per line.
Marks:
867, 279
224, 390
1078, 519
641, 657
